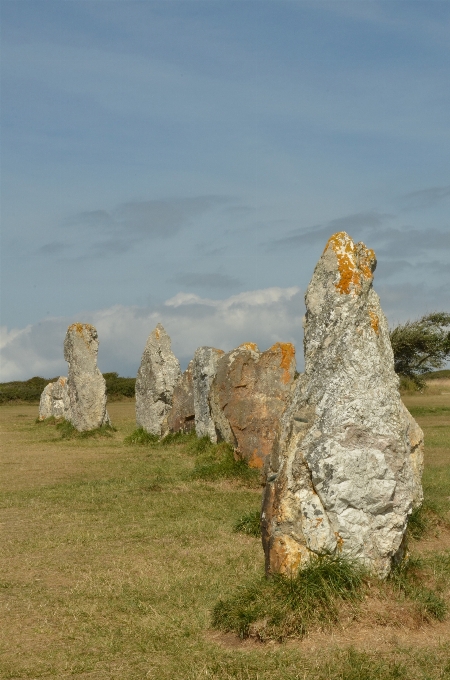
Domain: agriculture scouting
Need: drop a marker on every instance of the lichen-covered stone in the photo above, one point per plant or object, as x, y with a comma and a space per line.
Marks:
55, 400
204, 369
85, 384
345, 473
181, 417
249, 395
158, 374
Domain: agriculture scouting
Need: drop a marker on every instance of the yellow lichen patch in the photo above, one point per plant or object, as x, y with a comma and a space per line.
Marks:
285, 556
250, 345
287, 357
374, 321
80, 327
157, 334
351, 268
255, 461
349, 275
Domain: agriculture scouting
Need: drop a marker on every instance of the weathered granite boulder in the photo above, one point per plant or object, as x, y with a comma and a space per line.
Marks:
249, 395
204, 369
55, 400
345, 473
85, 384
181, 417
158, 374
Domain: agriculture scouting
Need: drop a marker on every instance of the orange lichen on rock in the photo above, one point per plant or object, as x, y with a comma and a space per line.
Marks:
80, 327
250, 345
287, 350
256, 461
374, 321
352, 264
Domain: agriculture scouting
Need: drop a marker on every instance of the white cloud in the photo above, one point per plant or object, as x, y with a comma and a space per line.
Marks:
263, 316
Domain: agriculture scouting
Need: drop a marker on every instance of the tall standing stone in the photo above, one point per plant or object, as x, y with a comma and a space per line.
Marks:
85, 384
249, 395
345, 473
158, 374
205, 362
55, 400
181, 417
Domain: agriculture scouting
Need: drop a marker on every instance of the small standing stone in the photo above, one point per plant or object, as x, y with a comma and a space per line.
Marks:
55, 400
204, 369
85, 384
158, 374
181, 417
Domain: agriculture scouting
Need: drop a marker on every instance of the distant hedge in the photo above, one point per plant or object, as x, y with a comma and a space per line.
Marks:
31, 390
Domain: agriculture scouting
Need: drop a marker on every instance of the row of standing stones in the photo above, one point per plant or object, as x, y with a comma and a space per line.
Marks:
340, 455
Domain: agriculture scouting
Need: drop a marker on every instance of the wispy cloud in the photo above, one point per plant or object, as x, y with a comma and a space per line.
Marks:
119, 230
321, 232
425, 197
263, 316
212, 280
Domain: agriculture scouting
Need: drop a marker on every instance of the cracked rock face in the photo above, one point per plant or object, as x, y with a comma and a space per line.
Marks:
85, 384
55, 400
346, 469
249, 395
182, 415
205, 363
157, 377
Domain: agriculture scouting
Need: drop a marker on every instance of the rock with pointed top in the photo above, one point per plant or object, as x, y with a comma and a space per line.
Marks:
158, 374
204, 370
85, 384
181, 417
345, 473
249, 395
55, 400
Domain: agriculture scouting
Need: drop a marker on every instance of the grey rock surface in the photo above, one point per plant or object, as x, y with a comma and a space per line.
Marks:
157, 377
345, 473
181, 417
55, 400
205, 363
85, 384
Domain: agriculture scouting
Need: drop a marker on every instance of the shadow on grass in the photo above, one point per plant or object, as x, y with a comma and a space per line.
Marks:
249, 524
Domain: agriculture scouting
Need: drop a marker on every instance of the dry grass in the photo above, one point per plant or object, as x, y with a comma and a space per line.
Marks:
113, 558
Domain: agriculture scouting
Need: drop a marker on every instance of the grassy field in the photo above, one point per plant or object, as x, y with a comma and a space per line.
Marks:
114, 557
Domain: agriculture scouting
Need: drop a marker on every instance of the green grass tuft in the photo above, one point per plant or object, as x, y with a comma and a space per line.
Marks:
280, 607
141, 437
68, 431
217, 461
249, 524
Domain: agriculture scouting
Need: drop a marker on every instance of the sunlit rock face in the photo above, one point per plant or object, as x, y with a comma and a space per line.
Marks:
55, 400
248, 397
345, 473
157, 376
205, 364
181, 417
85, 384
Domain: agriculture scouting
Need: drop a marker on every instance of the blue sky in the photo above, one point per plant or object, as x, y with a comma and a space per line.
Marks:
187, 162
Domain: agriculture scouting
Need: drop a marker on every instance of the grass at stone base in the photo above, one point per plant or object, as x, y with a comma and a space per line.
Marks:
68, 431
113, 558
212, 461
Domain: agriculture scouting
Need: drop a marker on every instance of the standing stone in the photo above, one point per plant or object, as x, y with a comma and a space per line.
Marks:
158, 374
85, 384
181, 417
55, 400
205, 367
249, 395
343, 477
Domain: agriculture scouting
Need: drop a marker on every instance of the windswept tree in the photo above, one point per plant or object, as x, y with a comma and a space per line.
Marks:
421, 346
